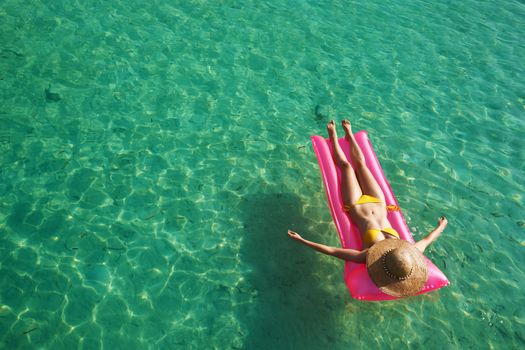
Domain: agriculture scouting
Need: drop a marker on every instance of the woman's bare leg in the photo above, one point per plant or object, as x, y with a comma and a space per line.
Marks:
349, 184
367, 181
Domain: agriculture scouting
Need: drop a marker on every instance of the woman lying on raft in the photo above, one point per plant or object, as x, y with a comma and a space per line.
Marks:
388, 258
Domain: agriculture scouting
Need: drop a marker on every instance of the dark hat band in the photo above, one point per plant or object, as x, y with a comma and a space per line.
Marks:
390, 274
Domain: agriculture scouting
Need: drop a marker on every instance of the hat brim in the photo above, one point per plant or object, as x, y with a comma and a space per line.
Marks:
389, 285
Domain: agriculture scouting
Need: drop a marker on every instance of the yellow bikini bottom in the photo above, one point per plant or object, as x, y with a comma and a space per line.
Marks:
369, 199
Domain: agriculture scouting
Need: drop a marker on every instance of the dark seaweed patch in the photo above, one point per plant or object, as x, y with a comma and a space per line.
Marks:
52, 96
318, 115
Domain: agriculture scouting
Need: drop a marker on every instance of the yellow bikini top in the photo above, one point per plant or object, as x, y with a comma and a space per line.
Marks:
371, 234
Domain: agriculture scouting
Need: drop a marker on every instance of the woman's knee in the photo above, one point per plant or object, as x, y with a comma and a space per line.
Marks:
345, 165
360, 163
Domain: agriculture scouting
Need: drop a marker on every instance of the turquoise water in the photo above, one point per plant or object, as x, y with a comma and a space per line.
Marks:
153, 155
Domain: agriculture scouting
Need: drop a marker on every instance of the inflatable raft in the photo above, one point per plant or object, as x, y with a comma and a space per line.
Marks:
356, 276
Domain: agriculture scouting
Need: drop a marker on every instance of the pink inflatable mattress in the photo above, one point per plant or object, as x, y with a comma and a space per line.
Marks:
356, 276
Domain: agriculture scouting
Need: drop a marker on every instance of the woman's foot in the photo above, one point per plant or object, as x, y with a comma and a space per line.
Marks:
347, 127
332, 133
339, 155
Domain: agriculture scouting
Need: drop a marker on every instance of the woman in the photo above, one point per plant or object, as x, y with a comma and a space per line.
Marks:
394, 265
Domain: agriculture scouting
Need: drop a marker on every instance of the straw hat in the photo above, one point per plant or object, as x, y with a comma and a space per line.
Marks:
397, 267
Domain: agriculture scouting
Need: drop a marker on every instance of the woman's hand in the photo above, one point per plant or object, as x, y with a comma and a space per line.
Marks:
345, 254
425, 242
443, 222
295, 236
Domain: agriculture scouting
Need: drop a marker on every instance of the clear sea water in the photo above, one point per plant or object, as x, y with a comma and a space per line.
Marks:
154, 153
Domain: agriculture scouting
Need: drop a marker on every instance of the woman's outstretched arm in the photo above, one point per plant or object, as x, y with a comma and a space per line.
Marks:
432, 236
341, 253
